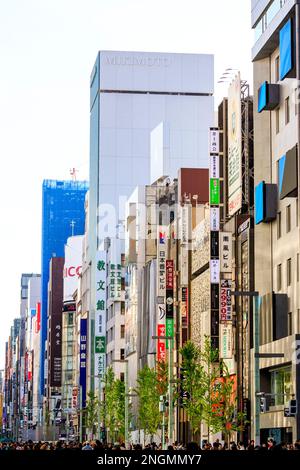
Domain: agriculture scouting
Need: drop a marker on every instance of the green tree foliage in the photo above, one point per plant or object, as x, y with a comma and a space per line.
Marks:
149, 387
92, 406
193, 383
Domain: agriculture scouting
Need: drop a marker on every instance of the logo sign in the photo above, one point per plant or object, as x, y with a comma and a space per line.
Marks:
214, 191
225, 252
214, 140
214, 271
225, 300
82, 359
74, 397
100, 344
72, 271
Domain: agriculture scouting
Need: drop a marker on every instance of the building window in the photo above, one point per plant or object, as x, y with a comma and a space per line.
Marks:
279, 272
287, 110
278, 225
277, 69
70, 318
288, 218
290, 324
122, 376
122, 354
277, 121
122, 308
289, 272
122, 331
281, 384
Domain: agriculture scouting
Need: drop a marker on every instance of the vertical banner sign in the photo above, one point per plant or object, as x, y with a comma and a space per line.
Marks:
82, 358
115, 281
184, 306
226, 341
169, 288
100, 317
161, 345
161, 290
214, 219
225, 252
225, 300
169, 299
214, 202
234, 146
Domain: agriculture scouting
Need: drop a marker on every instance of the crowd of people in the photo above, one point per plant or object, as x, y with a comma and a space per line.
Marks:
96, 445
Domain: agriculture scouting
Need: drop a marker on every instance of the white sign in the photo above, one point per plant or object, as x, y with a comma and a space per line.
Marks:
214, 219
162, 241
100, 312
234, 146
214, 271
214, 141
225, 252
214, 166
72, 266
226, 341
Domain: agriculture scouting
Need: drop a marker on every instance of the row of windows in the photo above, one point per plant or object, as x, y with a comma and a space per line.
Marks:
288, 220
288, 273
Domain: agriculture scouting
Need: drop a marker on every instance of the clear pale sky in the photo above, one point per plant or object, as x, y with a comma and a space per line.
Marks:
47, 50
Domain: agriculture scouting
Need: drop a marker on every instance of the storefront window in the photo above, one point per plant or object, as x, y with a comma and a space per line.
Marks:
281, 385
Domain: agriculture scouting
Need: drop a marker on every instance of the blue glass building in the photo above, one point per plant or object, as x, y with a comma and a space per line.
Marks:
63, 215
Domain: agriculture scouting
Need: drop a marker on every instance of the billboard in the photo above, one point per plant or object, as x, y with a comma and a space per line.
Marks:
72, 266
234, 146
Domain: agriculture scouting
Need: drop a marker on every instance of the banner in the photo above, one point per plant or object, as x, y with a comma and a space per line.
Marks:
225, 300
100, 316
234, 146
82, 359
225, 252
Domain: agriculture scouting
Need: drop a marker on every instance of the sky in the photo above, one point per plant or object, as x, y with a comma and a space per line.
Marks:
47, 50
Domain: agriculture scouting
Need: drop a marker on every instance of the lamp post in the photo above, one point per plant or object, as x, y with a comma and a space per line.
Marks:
125, 361
170, 385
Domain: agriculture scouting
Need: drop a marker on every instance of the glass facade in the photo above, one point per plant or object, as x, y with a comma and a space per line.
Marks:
281, 384
62, 216
267, 17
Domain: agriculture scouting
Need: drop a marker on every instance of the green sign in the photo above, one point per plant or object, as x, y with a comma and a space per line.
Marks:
100, 344
214, 191
169, 329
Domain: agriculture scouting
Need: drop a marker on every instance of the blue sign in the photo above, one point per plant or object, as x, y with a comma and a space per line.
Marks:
83, 360
285, 49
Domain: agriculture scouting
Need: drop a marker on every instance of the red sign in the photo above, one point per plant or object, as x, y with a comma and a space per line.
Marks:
161, 346
72, 271
38, 317
169, 274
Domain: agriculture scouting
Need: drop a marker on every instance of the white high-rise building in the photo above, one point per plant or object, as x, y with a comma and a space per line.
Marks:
131, 95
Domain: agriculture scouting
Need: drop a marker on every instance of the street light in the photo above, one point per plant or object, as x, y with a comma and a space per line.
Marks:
170, 388
125, 361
